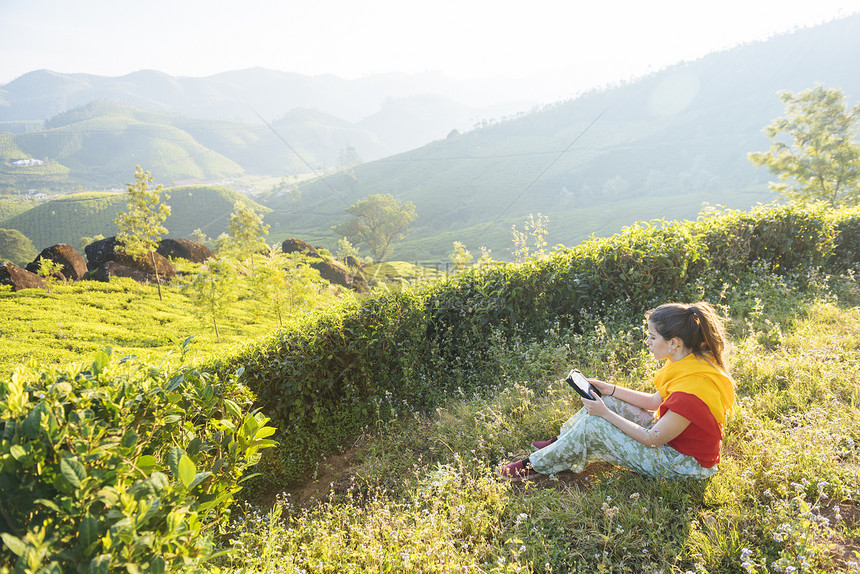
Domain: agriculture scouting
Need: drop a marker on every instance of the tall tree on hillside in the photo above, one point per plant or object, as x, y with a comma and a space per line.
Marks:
378, 221
821, 160
142, 224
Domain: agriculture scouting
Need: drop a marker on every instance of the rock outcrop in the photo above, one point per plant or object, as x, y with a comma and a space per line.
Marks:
73, 266
105, 250
110, 269
337, 275
19, 278
298, 246
181, 248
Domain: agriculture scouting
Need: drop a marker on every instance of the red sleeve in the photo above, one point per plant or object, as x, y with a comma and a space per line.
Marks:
703, 438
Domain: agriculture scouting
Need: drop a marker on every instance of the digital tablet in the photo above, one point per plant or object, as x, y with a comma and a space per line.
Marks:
581, 385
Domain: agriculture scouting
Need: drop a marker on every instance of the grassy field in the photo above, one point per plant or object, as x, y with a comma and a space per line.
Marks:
72, 322
420, 494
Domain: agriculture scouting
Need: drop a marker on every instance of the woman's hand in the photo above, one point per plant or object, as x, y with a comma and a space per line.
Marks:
602, 386
595, 407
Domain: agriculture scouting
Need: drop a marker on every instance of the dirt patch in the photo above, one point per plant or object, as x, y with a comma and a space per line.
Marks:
335, 473
845, 549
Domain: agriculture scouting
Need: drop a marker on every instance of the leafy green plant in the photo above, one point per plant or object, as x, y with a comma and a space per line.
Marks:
48, 268
115, 466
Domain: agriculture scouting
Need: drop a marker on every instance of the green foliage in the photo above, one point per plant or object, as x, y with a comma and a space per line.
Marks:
822, 159
322, 379
460, 257
345, 248
213, 289
88, 240
535, 229
284, 282
48, 268
12, 206
80, 318
142, 224
115, 467
378, 221
16, 247
246, 233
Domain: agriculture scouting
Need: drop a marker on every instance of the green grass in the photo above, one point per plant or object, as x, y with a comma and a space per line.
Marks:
419, 494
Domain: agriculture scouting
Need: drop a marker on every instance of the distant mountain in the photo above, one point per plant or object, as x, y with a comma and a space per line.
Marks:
658, 147
243, 94
71, 217
100, 143
92, 131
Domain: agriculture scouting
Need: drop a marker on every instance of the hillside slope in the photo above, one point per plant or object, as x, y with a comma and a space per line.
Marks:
656, 147
69, 218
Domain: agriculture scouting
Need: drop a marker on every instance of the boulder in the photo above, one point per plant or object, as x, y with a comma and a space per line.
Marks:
352, 262
110, 269
104, 250
298, 246
73, 266
181, 248
339, 276
18, 278
100, 251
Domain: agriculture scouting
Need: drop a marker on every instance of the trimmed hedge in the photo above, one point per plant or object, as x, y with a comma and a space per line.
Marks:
324, 380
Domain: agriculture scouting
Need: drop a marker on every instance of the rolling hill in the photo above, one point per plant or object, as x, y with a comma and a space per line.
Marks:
71, 217
99, 143
658, 147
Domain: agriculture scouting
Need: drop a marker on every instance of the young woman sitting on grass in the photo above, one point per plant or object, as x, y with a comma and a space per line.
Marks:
676, 432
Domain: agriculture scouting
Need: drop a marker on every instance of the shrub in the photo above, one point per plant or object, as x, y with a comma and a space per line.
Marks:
114, 466
327, 378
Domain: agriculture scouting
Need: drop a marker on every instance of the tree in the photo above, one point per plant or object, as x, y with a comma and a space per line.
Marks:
198, 236
213, 289
378, 221
822, 159
345, 248
246, 233
284, 280
141, 226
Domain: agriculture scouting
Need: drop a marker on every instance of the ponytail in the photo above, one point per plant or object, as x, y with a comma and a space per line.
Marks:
697, 326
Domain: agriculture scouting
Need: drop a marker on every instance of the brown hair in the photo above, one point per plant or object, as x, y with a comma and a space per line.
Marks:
697, 325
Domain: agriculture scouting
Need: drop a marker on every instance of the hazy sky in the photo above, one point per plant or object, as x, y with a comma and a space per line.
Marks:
559, 46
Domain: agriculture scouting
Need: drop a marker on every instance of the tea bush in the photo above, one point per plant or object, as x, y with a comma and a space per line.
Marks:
326, 379
115, 466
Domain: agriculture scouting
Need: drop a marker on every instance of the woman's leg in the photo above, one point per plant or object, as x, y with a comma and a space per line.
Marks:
585, 439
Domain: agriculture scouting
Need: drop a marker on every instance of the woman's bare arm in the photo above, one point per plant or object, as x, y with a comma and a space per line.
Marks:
649, 402
667, 428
